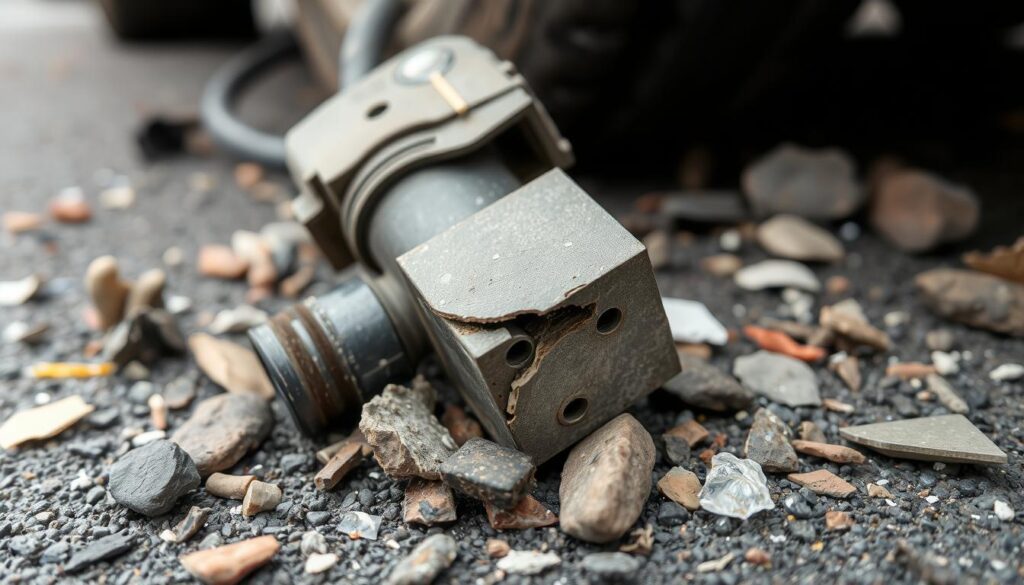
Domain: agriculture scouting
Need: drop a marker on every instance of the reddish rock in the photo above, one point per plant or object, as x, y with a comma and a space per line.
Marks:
338, 466
834, 453
916, 211
460, 425
758, 556
229, 564
428, 503
17, 222
691, 431
221, 262
528, 513
837, 520
70, 209
497, 548
779, 342
909, 370
823, 482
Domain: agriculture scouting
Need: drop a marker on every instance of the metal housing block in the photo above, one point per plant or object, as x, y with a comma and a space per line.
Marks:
546, 314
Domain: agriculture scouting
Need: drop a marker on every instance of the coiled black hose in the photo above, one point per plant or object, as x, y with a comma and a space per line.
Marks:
361, 50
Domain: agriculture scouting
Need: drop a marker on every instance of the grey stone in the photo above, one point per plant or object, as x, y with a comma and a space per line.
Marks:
223, 429
703, 385
56, 552
407, 439
489, 472
95, 494
430, 557
950, 438
779, 378
818, 184
606, 481
294, 462
150, 479
768, 444
677, 449
313, 542
103, 549
977, 299
611, 566
140, 391
105, 418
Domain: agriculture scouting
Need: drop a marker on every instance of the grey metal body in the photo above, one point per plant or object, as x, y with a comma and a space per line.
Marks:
542, 308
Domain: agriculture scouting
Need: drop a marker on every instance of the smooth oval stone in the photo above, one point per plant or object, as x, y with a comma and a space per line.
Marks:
795, 238
223, 429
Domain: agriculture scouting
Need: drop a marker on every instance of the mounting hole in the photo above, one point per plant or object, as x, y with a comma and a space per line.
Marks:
377, 110
519, 353
573, 411
608, 321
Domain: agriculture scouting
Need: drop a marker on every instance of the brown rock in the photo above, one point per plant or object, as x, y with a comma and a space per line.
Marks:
43, 422
70, 207
768, 443
682, 487
497, 548
909, 370
343, 461
147, 292
659, 248
428, 503
809, 431
248, 175
229, 564
837, 285
223, 429
837, 406
606, 480
192, 522
460, 425
834, 453
877, 491
848, 370
231, 366
221, 262
916, 211
260, 497
758, 556
721, 265
407, 439
979, 300
1004, 262
824, 482
18, 222
233, 487
106, 290
690, 431
854, 329
528, 513
837, 520
324, 455
697, 350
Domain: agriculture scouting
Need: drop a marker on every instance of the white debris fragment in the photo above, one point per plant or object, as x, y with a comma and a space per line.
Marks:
318, 563
528, 562
777, 274
1003, 510
17, 292
118, 197
1007, 373
359, 525
715, 565
148, 437
730, 240
894, 319
692, 322
945, 363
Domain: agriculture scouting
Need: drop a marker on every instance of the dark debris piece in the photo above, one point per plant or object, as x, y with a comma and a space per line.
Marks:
103, 549
489, 472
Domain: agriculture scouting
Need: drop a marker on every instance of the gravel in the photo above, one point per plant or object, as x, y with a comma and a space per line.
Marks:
88, 131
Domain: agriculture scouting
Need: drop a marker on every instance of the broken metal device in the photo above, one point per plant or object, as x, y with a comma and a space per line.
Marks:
436, 182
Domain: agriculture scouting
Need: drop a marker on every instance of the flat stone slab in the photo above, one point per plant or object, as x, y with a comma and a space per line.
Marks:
950, 438
779, 378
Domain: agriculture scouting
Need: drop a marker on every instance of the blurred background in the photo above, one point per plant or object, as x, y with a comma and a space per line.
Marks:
655, 95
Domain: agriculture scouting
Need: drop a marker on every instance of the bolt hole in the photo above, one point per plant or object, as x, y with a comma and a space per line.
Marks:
608, 321
574, 411
377, 110
519, 353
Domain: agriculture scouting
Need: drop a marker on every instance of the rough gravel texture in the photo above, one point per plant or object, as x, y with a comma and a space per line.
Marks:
75, 98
